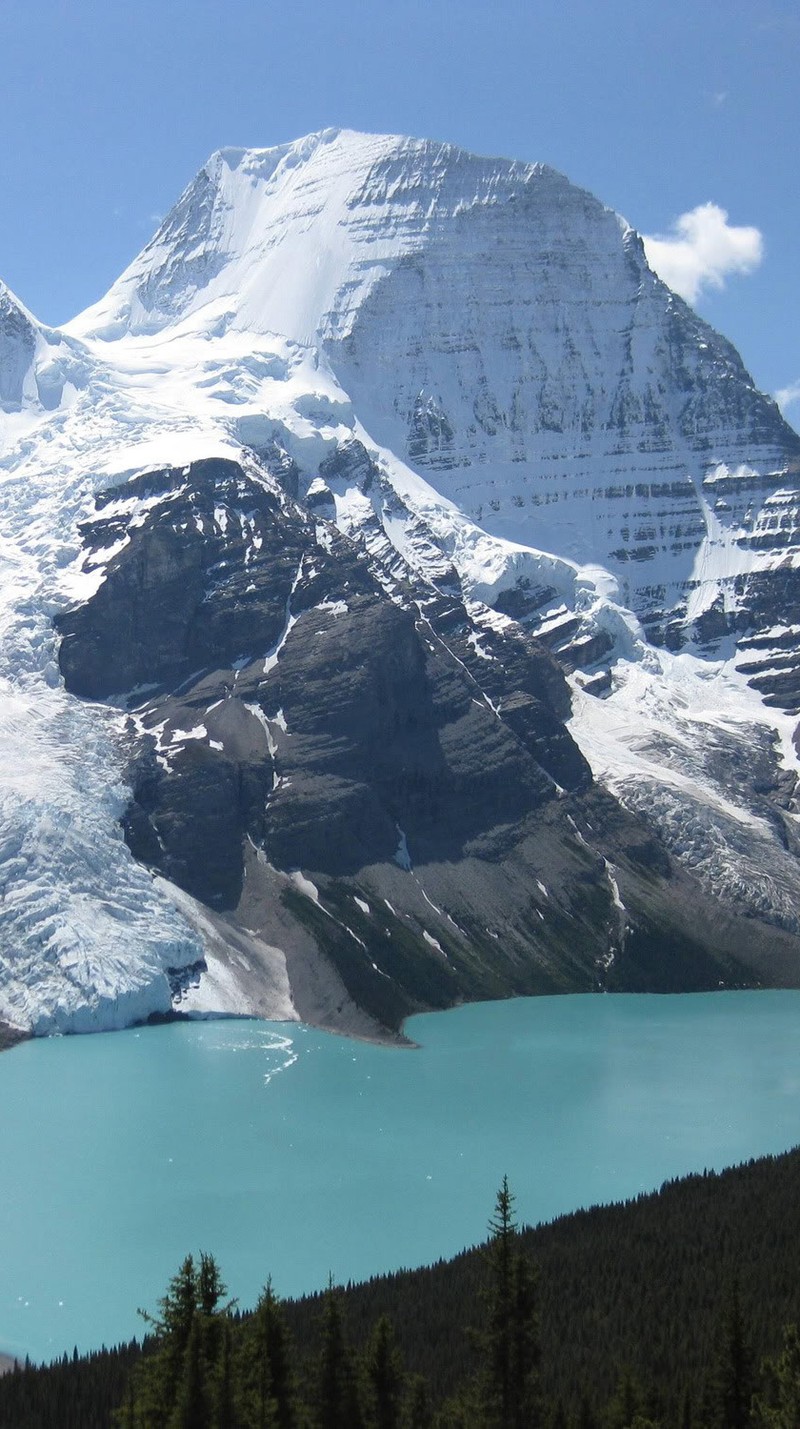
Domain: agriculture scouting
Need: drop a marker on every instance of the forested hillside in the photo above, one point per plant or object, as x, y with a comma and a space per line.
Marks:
659, 1311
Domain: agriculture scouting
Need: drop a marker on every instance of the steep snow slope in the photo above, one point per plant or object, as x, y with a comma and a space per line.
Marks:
498, 328
88, 939
293, 239
40, 369
466, 367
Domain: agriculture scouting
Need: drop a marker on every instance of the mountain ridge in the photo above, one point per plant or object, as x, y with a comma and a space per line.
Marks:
271, 467
321, 248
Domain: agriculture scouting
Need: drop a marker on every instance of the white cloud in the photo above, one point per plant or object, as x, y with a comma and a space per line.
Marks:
787, 396
702, 250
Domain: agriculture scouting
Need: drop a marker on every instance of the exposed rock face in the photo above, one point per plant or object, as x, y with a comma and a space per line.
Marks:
291, 715
434, 568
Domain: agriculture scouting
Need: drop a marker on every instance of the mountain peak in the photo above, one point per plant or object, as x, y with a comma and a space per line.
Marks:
268, 158
290, 235
360, 145
10, 303
493, 324
18, 338
369, 427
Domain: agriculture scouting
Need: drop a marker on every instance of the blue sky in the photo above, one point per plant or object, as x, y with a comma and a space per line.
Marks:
107, 108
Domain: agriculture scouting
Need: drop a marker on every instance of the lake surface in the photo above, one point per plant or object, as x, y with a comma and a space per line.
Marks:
289, 1152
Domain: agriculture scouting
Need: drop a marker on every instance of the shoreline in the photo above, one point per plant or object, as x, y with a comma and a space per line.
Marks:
11, 1037
374, 1034
377, 1037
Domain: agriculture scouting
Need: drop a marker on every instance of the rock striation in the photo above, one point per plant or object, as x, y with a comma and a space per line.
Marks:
405, 605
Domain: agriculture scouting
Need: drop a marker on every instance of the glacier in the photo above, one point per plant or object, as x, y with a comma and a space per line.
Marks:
477, 381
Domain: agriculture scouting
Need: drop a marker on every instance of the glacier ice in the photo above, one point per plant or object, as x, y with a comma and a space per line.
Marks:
499, 393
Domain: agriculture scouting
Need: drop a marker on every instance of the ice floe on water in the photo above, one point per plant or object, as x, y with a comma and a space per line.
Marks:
276, 1048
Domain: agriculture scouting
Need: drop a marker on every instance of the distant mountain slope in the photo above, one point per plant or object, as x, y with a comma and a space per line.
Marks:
40, 368
425, 572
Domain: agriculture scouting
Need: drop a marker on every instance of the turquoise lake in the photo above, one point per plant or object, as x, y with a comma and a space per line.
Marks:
289, 1152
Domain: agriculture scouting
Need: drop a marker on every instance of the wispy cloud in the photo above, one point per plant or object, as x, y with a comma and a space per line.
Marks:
790, 24
788, 396
702, 250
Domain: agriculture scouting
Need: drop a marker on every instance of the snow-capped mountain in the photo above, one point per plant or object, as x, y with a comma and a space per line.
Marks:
40, 368
499, 329
405, 577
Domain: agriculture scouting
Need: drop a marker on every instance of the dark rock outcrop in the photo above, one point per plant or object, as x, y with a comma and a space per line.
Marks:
310, 750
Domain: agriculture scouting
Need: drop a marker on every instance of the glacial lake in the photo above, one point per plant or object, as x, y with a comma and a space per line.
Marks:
289, 1152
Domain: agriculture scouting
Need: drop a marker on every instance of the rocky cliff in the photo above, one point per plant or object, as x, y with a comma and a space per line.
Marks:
408, 578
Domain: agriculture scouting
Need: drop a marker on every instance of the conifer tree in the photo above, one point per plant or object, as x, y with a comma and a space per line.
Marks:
192, 1408
161, 1373
627, 1403
733, 1380
779, 1405
558, 1417
125, 1417
177, 1385
269, 1390
460, 1413
210, 1287
416, 1410
686, 1419
255, 1402
335, 1403
587, 1419
225, 1416
509, 1340
383, 1376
